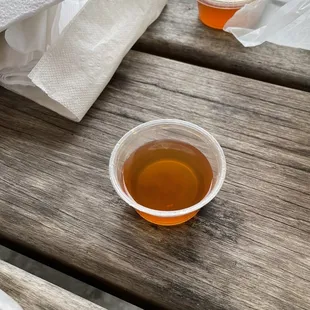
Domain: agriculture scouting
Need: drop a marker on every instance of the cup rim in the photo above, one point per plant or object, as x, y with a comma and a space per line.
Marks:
129, 200
225, 4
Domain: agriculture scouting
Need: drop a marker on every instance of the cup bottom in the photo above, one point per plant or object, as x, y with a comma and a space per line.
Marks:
167, 221
214, 17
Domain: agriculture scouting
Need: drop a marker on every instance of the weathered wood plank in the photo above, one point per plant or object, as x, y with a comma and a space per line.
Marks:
178, 34
33, 293
248, 249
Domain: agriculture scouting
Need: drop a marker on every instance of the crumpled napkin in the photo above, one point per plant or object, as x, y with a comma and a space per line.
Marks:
283, 22
12, 11
79, 58
24, 43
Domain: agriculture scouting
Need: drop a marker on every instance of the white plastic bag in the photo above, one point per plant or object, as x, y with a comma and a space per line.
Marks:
283, 22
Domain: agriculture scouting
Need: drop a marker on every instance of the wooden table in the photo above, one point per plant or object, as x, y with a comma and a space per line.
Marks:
248, 249
33, 293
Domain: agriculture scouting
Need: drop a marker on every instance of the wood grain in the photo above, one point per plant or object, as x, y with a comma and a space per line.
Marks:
248, 249
178, 34
33, 293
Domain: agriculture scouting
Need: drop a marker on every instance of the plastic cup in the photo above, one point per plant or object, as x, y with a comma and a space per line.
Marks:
216, 13
175, 130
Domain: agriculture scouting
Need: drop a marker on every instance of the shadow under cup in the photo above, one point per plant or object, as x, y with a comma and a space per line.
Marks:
174, 130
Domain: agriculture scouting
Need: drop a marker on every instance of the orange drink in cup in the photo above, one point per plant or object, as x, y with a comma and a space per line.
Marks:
167, 170
215, 13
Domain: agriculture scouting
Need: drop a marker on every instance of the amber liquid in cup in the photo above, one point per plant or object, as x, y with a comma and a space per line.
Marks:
215, 17
167, 175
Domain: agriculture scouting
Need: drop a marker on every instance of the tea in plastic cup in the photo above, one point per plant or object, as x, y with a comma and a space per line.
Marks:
216, 13
142, 144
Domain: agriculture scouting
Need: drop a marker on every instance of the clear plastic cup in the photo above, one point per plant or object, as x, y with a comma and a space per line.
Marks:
175, 130
216, 13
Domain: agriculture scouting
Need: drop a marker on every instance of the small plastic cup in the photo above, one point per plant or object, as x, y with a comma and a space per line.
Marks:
175, 130
216, 13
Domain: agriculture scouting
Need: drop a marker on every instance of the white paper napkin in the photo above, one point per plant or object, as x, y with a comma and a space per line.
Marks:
74, 71
12, 11
24, 43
